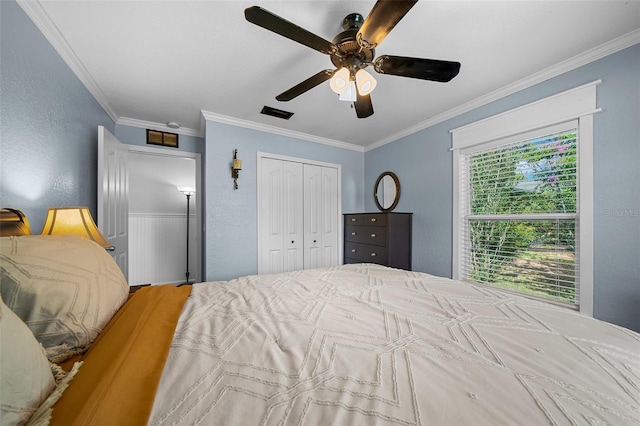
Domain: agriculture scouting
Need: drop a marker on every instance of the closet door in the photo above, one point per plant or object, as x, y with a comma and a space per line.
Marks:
320, 216
281, 216
330, 217
312, 216
293, 216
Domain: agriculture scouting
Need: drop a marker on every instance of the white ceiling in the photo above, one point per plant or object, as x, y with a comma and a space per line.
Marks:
151, 62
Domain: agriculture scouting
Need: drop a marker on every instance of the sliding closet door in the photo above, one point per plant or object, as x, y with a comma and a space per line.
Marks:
320, 216
299, 215
281, 216
312, 216
330, 217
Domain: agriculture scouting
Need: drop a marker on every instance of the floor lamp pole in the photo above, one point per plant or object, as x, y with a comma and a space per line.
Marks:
187, 273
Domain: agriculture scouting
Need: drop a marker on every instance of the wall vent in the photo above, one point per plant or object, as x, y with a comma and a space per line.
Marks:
267, 110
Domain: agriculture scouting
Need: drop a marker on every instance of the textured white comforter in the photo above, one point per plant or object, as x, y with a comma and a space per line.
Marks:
365, 344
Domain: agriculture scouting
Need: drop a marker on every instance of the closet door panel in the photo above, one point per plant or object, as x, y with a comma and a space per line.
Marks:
272, 217
293, 216
312, 216
329, 208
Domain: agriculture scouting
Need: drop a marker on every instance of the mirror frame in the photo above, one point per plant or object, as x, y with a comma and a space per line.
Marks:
375, 191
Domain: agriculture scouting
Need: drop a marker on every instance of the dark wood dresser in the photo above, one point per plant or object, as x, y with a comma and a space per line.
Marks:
382, 238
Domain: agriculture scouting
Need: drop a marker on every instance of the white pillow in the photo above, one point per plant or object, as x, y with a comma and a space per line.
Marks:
65, 288
25, 374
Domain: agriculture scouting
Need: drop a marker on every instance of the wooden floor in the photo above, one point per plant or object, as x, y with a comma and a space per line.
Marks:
134, 288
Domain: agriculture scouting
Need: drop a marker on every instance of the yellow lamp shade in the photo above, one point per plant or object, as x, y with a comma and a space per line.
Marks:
73, 221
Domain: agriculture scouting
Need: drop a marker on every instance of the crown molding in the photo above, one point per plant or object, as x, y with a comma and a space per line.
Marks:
210, 116
591, 55
186, 131
39, 16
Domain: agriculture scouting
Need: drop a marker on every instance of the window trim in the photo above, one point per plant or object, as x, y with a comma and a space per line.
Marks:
574, 104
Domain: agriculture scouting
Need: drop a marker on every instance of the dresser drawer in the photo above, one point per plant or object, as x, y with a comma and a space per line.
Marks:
353, 219
374, 219
365, 252
366, 235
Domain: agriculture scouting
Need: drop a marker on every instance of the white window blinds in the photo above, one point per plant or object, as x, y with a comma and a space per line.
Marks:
519, 210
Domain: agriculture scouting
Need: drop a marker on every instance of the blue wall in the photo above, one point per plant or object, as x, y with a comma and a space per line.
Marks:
423, 164
231, 219
49, 124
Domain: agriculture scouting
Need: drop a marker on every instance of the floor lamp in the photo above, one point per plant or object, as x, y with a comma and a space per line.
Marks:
188, 192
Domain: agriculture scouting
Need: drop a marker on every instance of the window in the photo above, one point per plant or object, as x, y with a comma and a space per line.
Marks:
520, 211
523, 199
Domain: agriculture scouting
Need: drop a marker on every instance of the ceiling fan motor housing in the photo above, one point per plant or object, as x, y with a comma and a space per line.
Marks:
349, 54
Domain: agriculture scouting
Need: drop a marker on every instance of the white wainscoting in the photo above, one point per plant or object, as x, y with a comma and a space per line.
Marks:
157, 248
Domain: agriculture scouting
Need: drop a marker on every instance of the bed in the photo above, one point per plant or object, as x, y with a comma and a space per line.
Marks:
357, 344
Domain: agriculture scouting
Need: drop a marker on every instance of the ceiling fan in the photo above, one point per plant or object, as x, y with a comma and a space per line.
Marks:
353, 50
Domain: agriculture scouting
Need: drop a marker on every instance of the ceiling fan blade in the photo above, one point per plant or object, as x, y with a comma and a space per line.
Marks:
363, 105
306, 85
265, 19
381, 20
425, 69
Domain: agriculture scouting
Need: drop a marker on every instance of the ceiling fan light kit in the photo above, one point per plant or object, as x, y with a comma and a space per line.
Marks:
349, 95
353, 50
365, 82
339, 83
344, 83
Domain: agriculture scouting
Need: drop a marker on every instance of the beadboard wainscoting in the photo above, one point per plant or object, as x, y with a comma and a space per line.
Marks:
158, 246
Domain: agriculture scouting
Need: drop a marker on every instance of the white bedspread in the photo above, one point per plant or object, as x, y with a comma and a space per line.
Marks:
365, 344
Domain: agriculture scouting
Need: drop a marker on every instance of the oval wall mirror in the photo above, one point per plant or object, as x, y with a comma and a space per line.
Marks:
386, 191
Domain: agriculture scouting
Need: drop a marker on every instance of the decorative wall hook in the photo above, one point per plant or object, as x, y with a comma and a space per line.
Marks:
236, 166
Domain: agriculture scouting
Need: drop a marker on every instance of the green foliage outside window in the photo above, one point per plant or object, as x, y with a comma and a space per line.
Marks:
529, 178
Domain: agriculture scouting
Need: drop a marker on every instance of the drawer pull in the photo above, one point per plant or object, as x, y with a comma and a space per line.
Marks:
373, 255
353, 250
353, 233
353, 219
373, 219
373, 235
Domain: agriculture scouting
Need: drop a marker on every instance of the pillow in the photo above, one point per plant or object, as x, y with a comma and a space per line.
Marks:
65, 288
25, 373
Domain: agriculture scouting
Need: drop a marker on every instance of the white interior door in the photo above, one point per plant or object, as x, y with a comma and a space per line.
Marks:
113, 197
312, 216
330, 217
321, 216
299, 214
280, 216
293, 216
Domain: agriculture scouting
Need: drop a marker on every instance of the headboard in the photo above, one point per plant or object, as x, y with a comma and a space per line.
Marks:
13, 222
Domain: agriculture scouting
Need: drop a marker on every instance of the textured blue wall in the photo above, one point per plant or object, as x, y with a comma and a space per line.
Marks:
423, 164
49, 124
231, 228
